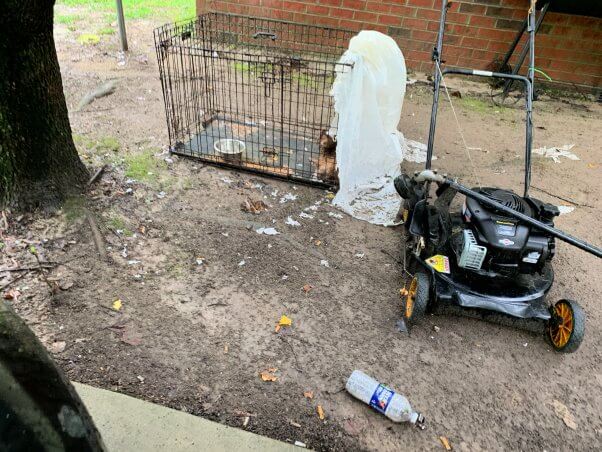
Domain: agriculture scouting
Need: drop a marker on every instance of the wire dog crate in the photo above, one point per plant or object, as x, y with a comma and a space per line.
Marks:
252, 93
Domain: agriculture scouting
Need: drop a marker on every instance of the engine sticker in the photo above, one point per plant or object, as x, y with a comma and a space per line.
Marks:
381, 398
440, 263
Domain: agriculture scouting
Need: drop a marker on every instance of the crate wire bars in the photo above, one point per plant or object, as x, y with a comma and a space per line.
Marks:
230, 79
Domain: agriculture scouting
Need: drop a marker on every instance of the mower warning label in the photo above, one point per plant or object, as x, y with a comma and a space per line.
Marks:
381, 398
439, 262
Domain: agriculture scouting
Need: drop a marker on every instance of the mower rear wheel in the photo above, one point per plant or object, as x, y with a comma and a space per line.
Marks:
417, 297
566, 328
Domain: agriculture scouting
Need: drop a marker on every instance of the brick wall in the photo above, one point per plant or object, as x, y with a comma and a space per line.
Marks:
568, 48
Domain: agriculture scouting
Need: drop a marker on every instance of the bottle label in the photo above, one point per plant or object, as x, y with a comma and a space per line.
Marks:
381, 398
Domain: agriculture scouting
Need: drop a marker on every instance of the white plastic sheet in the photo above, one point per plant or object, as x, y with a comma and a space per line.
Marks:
368, 100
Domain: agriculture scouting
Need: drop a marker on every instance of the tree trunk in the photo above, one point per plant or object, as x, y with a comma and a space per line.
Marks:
39, 164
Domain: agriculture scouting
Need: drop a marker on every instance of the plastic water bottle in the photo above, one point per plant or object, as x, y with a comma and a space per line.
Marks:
383, 399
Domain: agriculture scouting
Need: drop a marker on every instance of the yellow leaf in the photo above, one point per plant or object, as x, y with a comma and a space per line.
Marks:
445, 443
117, 305
285, 321
329, 195
320, 412
268, 375
308, 394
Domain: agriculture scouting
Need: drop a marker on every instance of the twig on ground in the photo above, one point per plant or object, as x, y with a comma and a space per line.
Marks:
20, 269
14, 280
97, 236
97, 174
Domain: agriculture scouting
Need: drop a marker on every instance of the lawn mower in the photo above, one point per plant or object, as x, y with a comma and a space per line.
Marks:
493, 254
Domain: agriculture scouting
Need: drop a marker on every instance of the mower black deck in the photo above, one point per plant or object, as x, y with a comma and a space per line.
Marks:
522, 297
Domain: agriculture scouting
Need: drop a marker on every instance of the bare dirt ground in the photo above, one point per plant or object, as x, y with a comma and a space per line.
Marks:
201, 291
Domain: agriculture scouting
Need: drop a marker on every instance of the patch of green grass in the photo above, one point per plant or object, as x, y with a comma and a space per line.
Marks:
117, 223
107, 143
140, 9
67, 19
143, 166
106, 31
73, 209
87, 39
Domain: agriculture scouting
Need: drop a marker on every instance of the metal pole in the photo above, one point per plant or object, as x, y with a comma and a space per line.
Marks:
437, 81
121, 25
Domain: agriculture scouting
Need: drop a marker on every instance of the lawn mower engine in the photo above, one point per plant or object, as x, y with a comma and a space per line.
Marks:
493, 243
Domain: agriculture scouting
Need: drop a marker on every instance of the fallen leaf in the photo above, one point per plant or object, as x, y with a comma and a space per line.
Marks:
318, 242
307, 288
285, 321
329, 195
563, 413
445, 443
117, 304
268, 375
593, 165
320, 411
308, 394
12, 294
142, 229
254, 207
295, 424
277, 328
58, 346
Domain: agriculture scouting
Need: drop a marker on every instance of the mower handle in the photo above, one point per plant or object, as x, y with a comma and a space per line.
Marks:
430, 176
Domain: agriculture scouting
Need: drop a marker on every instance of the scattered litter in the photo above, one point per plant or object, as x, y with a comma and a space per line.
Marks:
274, 193
525, 344
129, 191
325, 263
268, 374
383, 399
241, 263
320, 411
292, 222
288, 197
225, 180
308, 394
168, 160
360, 255
555, 153
284, 277
246, 421
565, 209
338, 216
285, 321
313, 208
161, 195
295, 424
226, 349
306, 215
267, 231
140, 378
58, 346
124, 252
200, 260
133, 262
225, 234
12, 294
117, 304
436, 328
254, 207
300, 444
318, 242
563, 413
445, 443
307, 288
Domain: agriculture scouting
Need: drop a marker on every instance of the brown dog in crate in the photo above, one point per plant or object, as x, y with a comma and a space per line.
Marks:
327, 159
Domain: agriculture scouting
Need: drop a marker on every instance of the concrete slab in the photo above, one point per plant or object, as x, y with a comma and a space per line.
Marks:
129, 424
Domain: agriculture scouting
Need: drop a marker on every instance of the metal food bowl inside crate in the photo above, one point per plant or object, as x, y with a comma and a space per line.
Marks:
229, 149
265, 83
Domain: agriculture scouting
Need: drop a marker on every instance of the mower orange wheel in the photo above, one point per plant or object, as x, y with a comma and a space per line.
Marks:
566, 328
416, 297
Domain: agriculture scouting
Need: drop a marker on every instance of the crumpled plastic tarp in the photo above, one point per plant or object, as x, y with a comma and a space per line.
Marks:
368, 100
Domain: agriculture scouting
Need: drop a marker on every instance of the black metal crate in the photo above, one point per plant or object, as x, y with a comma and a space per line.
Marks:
262, 82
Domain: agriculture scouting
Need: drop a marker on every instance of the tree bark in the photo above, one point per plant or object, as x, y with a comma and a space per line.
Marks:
39, 164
